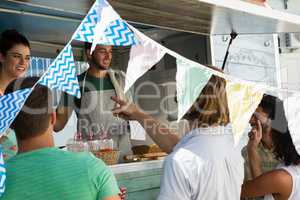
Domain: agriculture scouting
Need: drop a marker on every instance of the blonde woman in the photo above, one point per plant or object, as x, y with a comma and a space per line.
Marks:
204, 164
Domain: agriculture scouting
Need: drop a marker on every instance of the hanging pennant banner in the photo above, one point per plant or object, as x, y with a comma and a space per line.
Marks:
61, 74
292, 113
2, 173
86, 30
107, 16
143, 57
10, 106
118, 34
191, 78
243, 99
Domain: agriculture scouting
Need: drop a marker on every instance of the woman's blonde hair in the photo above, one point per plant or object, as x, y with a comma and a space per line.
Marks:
211, 106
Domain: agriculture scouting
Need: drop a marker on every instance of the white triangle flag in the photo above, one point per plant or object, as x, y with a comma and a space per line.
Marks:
142, 57
191, 78
243, 99
292, 113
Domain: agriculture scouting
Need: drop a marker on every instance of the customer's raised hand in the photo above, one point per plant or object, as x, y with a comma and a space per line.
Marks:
255, 135
125, 110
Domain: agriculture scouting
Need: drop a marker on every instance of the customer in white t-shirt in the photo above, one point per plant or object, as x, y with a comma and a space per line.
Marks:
284, 182
204, 164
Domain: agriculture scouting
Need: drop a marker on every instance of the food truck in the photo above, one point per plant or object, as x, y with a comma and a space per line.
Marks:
197, 29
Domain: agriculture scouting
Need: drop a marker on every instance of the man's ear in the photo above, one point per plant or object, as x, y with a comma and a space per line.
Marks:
88, 54
53, 118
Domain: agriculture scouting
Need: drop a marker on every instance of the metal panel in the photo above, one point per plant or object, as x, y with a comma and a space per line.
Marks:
38, 27
54, 21
208, 16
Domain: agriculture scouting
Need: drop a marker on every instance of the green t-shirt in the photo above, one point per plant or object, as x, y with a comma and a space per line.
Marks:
52, 174
91, 84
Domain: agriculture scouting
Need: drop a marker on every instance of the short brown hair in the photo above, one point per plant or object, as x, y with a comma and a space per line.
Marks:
211, 107
34, 117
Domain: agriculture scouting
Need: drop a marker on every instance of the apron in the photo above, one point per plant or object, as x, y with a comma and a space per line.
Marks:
95, 116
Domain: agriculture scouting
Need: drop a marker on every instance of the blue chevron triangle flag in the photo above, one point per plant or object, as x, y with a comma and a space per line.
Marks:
119, 34
86, 29
111, 29
61, 74
10, 105
2, 173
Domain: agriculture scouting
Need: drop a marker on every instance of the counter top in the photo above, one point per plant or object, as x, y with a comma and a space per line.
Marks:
136, 166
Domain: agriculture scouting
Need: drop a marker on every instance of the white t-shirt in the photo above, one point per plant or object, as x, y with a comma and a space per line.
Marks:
294, 171
203, 165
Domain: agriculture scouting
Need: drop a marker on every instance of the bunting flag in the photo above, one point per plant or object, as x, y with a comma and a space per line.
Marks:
2, 173
62, 74
10, 106
107, 16
292, 113
143, 57
86, 30
243, 99
190, 80
119, 34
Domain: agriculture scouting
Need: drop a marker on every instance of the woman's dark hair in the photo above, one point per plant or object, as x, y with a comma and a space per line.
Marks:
268, 104
10, 38
284, 148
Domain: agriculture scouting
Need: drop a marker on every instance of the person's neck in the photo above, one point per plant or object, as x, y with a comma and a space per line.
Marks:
96, 72
41, 141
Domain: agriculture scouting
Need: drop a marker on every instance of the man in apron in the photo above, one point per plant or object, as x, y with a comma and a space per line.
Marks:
93, 110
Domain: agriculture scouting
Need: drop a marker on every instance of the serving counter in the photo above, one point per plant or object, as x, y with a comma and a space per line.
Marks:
141, 179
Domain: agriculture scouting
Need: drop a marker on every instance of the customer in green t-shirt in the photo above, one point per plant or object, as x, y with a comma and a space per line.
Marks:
41, 171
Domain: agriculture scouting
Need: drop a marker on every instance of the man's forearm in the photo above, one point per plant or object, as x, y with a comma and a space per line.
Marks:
158, 132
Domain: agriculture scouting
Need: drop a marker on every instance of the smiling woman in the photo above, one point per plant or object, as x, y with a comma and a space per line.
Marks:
14, 57
14, 61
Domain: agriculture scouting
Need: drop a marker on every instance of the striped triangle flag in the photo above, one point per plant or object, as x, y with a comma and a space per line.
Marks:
10, 106
86, 30
111, 29
191, 78
2, 173
61, 74
243, 99
118, 34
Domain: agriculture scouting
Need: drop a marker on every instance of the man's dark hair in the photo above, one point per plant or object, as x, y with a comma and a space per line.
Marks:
33, 119
10, 38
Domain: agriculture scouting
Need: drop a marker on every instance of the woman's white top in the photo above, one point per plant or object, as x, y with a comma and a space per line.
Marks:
203, 165
294, 171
